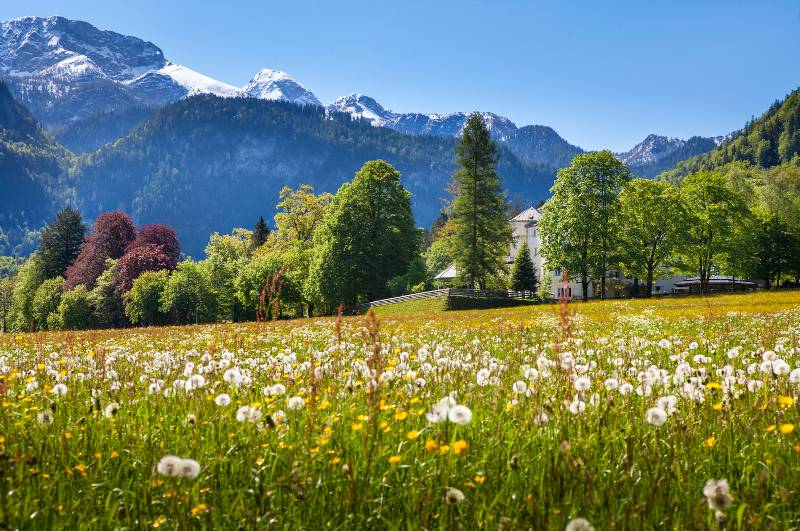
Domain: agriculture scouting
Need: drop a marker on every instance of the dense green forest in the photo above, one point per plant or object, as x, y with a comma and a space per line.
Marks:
90, 133
208, 164
771, 140
33, 168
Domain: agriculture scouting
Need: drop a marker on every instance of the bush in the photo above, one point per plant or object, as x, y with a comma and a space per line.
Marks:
143, 301
76, 309
46, 301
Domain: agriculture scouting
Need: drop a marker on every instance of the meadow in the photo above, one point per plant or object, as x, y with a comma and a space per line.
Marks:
619, 414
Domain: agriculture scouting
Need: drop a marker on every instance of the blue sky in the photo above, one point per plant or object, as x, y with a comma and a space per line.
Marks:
602, 74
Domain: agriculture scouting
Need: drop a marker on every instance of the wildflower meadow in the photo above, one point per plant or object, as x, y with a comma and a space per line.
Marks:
678, 413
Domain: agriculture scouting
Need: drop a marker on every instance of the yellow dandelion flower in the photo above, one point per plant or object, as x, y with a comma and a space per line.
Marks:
400, 415
336, 460
713, 385
357, 426
710, 442
444, 449
158, 522
394, 459
80, 467
771, 428
114, 454
98, 455
786, 429
479, 479
717, 406
469, 484
199, 508
797, 448
362, 418
460, 446
785, 401
431, 445
260, 461
413, 435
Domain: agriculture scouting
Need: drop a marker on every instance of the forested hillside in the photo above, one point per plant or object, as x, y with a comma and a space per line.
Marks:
32, 174
90, 133
771, 140
208, 164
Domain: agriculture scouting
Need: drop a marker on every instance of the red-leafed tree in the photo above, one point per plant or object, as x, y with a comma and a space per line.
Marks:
112, 233
162, 236
138, 259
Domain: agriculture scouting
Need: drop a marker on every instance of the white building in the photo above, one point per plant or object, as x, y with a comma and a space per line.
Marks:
525, 229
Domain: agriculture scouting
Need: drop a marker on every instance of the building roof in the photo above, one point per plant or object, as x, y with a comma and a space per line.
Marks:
448, 274
530, 214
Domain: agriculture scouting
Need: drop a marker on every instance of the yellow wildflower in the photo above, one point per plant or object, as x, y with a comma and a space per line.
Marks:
444, 449
479, 479
199, 508
785, 401
460, 446
431, 445
713, 385
394, 459
356, 426
413, 435
710, 442
400, 415
158, 522
717, 406
771, 428
786, 429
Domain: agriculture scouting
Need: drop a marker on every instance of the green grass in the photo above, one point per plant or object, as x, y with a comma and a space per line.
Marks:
361, 453
413, 307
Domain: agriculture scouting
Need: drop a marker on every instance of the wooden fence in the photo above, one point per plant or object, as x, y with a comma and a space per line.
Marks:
452, 292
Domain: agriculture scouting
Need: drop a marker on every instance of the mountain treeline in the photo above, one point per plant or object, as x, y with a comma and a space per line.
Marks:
771, 140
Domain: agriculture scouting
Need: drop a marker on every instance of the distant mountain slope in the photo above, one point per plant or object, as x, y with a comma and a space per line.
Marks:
208, 164
657, 153
88, 134
32, 172
770, 140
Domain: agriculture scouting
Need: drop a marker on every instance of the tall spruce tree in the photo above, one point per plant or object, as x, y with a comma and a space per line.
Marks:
61, 241
481, 233
260, 233
523, 272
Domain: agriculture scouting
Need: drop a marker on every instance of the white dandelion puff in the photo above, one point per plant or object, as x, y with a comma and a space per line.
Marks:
579, 524
111, 410
453, 496
459, 414
223, 400
59, 389
655, 416
295, 403
718, 494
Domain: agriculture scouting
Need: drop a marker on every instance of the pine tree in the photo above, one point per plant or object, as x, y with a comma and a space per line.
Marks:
60, 242
260, 233
481, 233
523, 272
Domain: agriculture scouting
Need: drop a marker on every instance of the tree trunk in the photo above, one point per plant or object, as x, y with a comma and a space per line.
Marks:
585, 286
635, 289
603, 287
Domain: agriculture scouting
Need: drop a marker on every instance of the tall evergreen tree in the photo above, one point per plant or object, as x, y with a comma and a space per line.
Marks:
481, 233
260, 233
61, 241
523, 272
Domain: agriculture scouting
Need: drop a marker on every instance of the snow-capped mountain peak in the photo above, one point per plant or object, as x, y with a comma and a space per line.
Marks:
652, 149
363, 108
189, 80
277, 85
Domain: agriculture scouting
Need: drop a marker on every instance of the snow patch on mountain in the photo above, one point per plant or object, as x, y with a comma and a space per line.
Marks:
276, 85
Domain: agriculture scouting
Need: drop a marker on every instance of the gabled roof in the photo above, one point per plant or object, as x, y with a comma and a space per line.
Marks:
530, 214
448, 274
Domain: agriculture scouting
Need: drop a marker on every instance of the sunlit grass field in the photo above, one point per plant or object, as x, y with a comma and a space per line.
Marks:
619, 413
